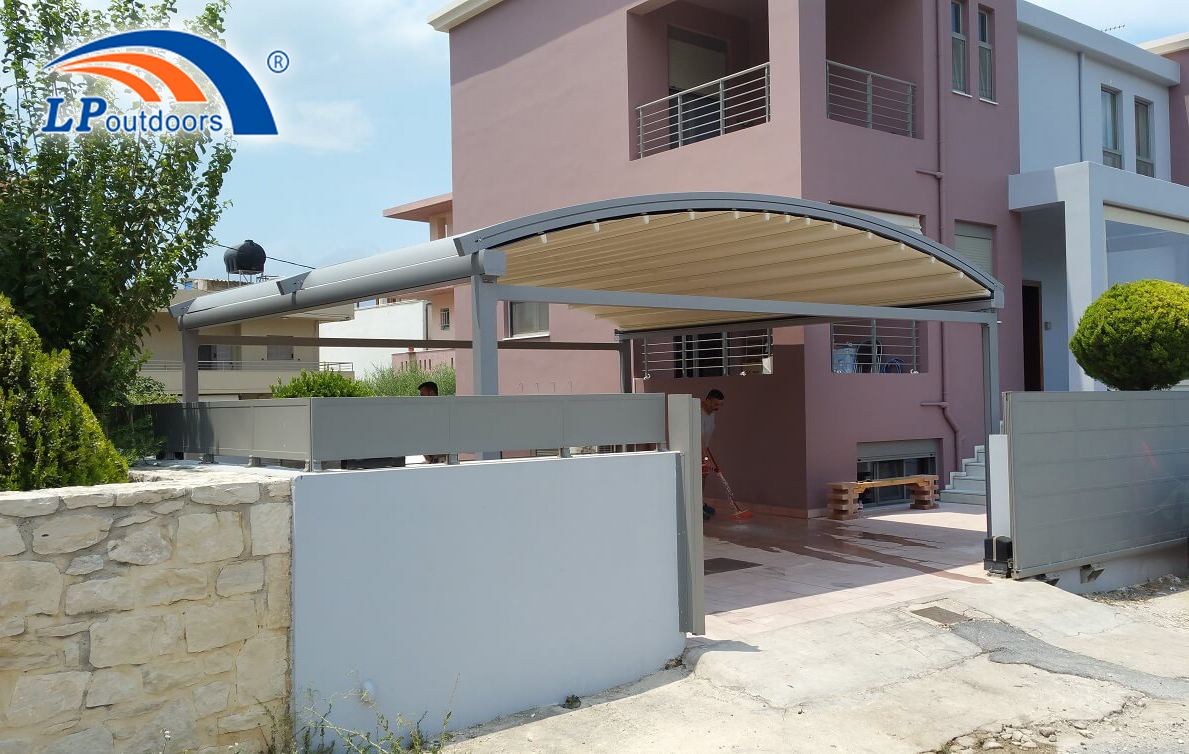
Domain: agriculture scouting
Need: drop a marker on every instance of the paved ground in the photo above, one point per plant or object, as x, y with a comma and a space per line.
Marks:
883, 635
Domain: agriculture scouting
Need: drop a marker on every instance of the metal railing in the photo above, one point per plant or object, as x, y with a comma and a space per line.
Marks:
717, 354
262, 365
875, 346
712, 109
872, 100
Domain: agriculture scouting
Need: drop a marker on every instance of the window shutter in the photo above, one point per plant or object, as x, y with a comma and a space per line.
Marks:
974, 244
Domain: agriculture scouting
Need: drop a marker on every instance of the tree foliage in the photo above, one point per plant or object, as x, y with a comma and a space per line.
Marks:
48, 435
1136, 336
321, 385
98, 229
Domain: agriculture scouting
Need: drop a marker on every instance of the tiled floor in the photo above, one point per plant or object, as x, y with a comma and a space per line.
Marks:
817, 568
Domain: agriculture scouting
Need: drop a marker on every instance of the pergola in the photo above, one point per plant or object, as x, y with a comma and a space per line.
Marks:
674, 263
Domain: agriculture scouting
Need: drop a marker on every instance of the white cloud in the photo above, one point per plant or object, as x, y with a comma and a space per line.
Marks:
321, 126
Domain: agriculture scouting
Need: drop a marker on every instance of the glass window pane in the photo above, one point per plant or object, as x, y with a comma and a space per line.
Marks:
986, 73
1143, 130
984, 26
527, 317
956, 18
1110, 120
959, 55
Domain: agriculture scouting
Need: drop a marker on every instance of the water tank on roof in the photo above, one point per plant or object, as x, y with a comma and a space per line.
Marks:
245, 259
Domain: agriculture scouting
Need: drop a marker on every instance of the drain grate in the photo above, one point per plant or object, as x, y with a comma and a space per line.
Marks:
941, 615
723, 565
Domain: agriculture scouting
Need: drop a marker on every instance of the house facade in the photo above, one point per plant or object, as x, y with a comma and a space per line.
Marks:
1101, 193
908, 110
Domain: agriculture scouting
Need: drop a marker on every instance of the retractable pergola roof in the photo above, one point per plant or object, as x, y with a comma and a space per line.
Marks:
652, 263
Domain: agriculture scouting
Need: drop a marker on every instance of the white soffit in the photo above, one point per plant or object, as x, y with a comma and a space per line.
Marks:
455, 13
734, 254
1144, 219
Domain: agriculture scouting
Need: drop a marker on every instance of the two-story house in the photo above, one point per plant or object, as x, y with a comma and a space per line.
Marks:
1104, 159
905, 109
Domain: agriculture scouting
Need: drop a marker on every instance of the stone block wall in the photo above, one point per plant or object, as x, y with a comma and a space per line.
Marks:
130, 609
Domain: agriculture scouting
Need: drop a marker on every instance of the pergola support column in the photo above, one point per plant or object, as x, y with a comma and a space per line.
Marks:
189, 366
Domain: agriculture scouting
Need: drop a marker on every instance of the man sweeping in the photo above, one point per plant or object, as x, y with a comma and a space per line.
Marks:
710, 406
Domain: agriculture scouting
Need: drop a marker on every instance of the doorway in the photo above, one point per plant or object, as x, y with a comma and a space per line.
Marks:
1033, 338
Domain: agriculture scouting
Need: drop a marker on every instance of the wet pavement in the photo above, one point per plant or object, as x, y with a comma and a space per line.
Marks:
772, 571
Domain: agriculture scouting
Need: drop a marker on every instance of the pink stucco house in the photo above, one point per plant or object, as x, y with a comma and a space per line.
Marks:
904, 109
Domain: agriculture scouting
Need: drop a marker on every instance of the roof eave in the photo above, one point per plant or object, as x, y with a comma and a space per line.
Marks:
459, 11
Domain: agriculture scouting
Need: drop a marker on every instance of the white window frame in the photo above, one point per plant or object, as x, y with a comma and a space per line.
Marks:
511, 322
986, 23
444, 318
1112, 151
959, 48
1148, 160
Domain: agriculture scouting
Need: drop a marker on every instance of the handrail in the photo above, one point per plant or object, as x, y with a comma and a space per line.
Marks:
753, 69
248, 365
864, 71
871, 100
717, 107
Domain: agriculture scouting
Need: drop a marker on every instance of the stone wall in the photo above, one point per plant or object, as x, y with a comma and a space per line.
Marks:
128, 610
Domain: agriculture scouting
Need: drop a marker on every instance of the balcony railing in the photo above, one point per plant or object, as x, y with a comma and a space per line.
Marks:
253, 366
703, 112
868, 99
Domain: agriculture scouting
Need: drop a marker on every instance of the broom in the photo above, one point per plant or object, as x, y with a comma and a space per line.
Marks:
740, 514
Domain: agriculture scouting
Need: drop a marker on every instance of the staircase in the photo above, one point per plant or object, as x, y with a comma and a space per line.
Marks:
968, 486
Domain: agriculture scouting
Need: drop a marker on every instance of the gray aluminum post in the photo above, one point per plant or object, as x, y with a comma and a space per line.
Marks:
990, 333
625, 366
189, 366
685, 437
485, 344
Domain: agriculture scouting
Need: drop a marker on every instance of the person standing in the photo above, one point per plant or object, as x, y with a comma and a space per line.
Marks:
711, 404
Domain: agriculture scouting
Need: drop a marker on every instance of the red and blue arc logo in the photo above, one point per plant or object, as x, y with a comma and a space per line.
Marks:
109, 58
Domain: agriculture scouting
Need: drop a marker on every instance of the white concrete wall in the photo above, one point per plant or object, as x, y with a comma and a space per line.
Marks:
403, 320
484, 588
1061, 107
1162, 263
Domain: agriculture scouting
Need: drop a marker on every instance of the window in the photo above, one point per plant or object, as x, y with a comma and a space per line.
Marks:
871, 346
975, 244
986, 57
1144, 164
280, 353
958, 46
712, 354
889, 460
527, 318
444, 318
1112, 153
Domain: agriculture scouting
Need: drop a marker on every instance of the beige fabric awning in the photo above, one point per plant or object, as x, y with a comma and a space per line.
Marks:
760, 255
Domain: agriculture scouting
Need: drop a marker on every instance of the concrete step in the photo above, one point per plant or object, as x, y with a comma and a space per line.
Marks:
974, 470
963, 483
962, 498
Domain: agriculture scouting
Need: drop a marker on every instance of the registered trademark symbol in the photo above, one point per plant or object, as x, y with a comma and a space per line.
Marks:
278, 61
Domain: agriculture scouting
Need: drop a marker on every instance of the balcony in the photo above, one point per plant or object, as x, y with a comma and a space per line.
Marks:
717, 107
871, 100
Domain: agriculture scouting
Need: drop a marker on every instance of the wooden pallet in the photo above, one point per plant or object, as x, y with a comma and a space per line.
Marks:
843, 498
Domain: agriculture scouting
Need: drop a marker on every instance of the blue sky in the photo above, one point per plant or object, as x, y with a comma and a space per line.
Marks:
364, 115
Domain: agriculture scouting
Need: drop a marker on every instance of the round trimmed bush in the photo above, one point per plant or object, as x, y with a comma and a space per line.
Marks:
1136, 336
48, 435
321, 385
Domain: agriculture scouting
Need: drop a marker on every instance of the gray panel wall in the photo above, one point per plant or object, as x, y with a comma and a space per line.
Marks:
1096, 476
333, 429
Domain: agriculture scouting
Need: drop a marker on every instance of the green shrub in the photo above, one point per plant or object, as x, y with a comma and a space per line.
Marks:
1136, 336
389, 381
321, 385
48, 435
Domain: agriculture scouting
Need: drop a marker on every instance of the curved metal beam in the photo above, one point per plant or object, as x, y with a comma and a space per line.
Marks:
512, 231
